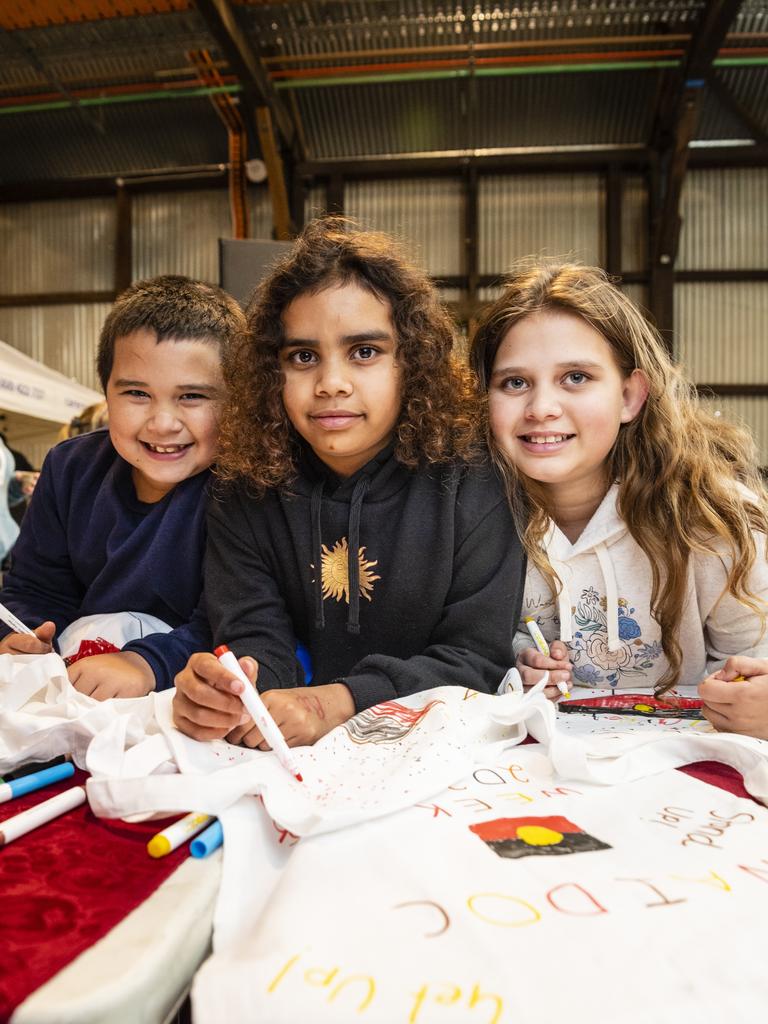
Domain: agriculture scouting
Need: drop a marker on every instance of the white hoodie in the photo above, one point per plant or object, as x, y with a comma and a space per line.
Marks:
603, 615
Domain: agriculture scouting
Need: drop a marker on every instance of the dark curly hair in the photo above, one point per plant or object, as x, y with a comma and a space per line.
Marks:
439, 413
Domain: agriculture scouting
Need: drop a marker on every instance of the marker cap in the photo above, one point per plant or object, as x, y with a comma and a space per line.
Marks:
158, 846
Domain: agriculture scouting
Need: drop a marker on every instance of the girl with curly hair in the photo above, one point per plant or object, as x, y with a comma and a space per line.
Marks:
358, 516
644, 517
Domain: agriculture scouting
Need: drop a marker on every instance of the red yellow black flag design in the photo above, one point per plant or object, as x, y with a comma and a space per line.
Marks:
526, 837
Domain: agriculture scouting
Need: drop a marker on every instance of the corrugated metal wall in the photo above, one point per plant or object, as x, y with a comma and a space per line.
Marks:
634, 225
178, 232
751, 413
559, 215
424, 213
68, 245
720, 327
63, 246
725, 219
721, 331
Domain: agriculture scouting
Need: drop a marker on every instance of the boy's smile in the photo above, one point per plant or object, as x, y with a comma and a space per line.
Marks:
342, 384
163, 400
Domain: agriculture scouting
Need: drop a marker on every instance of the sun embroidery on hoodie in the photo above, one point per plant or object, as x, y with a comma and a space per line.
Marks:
335, 572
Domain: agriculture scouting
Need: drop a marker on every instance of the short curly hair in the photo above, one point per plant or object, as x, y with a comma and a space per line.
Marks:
439, 412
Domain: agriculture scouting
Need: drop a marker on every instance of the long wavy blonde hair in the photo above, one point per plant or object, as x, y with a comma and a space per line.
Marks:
686, 479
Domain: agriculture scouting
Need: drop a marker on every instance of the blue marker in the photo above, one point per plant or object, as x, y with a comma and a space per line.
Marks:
29, 783
207, 841
304, 659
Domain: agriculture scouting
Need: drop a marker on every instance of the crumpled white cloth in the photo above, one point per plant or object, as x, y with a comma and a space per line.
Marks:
384, 760
396, 756
43, 717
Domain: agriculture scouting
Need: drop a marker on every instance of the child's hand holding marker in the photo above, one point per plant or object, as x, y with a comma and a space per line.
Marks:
735, 699
207, 705
24, 640
532, 663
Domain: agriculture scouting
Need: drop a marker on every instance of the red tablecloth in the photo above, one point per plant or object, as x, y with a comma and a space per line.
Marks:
64, 886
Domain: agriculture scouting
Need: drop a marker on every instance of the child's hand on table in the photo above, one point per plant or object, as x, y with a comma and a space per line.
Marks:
532, 664
732, 705
23, 643
303, 714
122, 674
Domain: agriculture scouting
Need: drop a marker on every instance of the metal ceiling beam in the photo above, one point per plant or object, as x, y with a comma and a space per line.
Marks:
278, 193
455, 163
245, 62
674, 128
215, 176
30, 55
677, 117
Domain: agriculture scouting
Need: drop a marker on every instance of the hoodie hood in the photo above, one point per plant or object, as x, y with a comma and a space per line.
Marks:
603, 530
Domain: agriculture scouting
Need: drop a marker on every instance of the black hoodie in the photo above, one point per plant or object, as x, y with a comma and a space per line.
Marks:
431, 599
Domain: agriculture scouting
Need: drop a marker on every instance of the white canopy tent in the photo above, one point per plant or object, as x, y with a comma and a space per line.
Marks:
34, 389
36, 400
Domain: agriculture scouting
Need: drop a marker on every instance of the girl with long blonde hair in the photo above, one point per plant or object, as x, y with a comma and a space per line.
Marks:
644, 517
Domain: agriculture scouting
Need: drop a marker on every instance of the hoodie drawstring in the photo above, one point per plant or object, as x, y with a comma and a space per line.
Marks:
611, 597
317, 557
564, 608
563, 594
353, 553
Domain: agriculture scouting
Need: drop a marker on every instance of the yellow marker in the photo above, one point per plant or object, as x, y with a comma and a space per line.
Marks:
739, 679
537, 636
171, 838
543, 647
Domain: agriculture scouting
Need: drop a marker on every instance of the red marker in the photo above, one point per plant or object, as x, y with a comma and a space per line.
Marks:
255, 707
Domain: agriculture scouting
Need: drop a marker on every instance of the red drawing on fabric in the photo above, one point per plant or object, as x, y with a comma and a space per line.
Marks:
88, 648
527, 837
386, 723
670, 706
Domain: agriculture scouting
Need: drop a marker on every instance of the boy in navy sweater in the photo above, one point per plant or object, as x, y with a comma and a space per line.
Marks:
117, 520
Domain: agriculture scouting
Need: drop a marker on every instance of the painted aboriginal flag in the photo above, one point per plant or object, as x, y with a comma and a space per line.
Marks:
641, 704
527, 837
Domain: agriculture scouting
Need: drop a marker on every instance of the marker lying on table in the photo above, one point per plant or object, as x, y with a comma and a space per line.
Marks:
14, 828
16, 624
171, 838
543, 647
255, 707
207, 841
29, 783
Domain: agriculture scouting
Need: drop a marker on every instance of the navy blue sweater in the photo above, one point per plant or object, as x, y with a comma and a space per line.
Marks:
395, 581
88, 546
